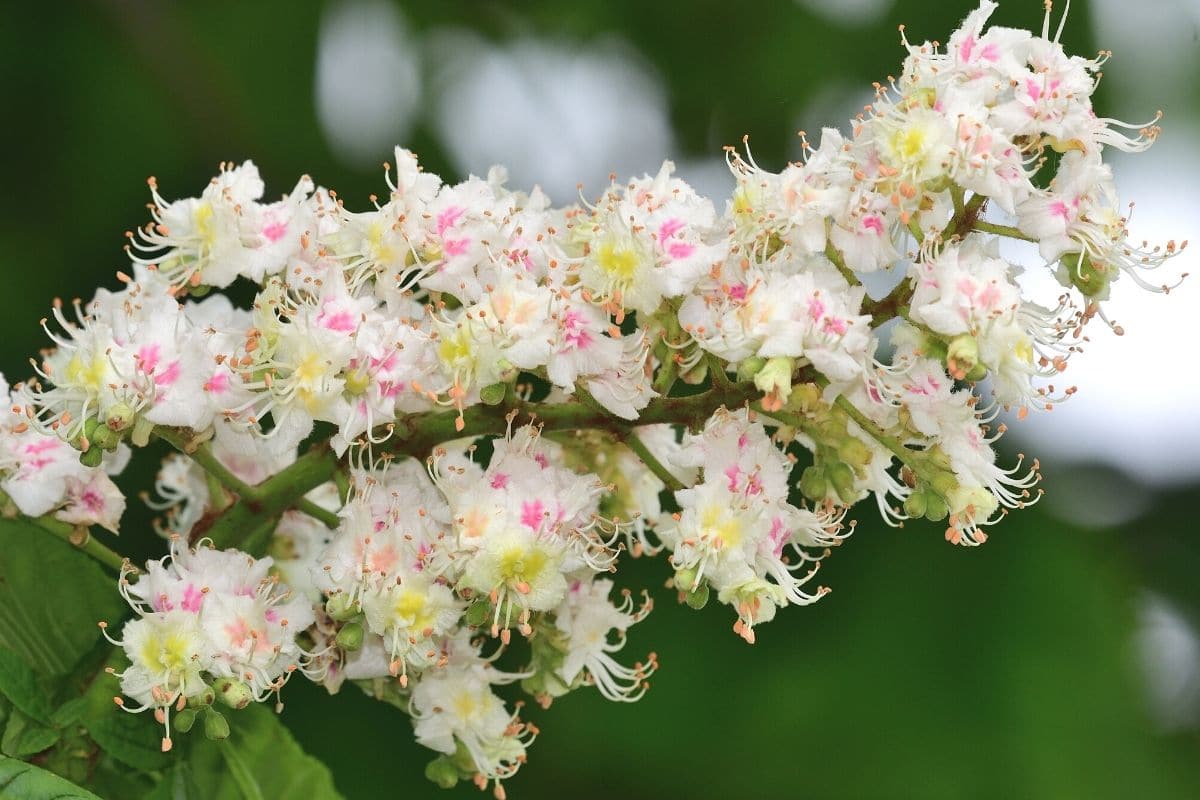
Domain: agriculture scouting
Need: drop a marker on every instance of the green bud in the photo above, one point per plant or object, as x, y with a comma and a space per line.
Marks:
89, 427
962, 356
806, 397
442, 772
92, 457
105, 438
749, 367
854, 453
120, 417
813, 484
493, 395
141, 432
234, 694
685, 580
936, 509
203, 699
350, 637
978, 373
933, 347
916, 505
216, 727
477, 612
341, 608
697, 599
184, 720
775, 378
198, 291
1089, 277
842, 478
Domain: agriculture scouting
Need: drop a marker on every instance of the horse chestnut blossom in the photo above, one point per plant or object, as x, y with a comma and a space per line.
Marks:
450, 417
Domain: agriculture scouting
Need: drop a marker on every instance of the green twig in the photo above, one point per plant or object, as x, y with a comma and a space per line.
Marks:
80, 537
634, 443
1002, 230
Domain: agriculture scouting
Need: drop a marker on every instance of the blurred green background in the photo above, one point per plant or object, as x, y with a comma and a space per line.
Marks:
1057, 661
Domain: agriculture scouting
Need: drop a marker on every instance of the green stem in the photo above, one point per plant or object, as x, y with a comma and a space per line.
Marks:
1002, 230
634, 443
203, 455
329, 518
81, 538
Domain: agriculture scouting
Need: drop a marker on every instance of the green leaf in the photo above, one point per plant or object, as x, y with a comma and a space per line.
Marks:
134, 739
24, 736
51, 597
19, 684
22, 781
259, 761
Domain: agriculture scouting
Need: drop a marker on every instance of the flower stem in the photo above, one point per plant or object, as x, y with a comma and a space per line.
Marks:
634, 443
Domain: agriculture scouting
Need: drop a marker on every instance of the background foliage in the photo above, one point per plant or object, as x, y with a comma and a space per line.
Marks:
930, 671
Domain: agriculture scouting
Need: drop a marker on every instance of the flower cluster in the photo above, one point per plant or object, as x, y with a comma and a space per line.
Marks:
208, 619
497, 379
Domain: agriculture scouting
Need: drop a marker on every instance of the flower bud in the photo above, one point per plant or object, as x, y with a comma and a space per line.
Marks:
936, 509
685, 580
234, 694
698, 598
962, 356
493, 394
749, 367
477, 613
120, 417
854, 452
203, 699
842, 479
775, 381
105, 438
341, 607
916, 504
813, 484
216, 727
184, 720
442, 772
92, 457
350, 637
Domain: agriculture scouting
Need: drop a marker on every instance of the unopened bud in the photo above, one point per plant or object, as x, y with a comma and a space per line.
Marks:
962, 356
814, 484
203, 699
698, 598
184, 720
105, 438
341, 607
119, 417
775, 380
915, 505
749, 367
854, 453
234, 694
216, 727
493, 394
477, 612
842, 479
685, 580
350, 637
92, 457
442, 772
936, 509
